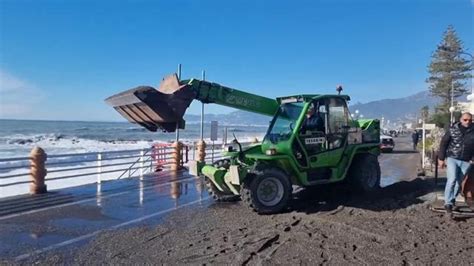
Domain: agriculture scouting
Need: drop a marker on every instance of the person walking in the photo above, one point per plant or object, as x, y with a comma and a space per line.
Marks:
415, 137
455, 153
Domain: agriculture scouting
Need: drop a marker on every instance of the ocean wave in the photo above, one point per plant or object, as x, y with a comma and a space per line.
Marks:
236, 130
19, 141
82, 129
25, 140
54, 146
141, 129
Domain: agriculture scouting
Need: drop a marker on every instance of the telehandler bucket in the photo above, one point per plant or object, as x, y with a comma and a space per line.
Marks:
155, 109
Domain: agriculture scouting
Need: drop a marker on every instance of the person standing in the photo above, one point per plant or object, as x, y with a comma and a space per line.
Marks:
415, 137
455, 153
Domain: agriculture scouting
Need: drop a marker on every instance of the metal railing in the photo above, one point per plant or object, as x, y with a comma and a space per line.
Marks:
214, 152
67, 170
16, 167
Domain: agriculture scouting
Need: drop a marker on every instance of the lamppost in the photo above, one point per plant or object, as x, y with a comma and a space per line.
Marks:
422, 122
355, 115
451, 111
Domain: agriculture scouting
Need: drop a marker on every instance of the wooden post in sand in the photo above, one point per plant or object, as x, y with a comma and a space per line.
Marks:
176, 156
37, 171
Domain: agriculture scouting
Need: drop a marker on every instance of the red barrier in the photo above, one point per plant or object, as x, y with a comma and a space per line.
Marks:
159, 152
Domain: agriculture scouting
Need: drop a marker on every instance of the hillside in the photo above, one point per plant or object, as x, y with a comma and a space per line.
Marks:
401, 109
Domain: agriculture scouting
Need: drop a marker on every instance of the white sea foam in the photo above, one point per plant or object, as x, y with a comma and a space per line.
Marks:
57, 144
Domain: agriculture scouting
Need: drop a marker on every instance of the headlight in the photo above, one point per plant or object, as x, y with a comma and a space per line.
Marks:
270, 152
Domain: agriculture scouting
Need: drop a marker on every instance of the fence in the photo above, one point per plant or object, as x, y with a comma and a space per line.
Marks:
67, 170
214, 152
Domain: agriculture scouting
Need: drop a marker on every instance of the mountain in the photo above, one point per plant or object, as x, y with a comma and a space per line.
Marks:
401, 109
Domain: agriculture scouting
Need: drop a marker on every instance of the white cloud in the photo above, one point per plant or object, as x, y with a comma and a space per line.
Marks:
10, 83
9, 110
18, 97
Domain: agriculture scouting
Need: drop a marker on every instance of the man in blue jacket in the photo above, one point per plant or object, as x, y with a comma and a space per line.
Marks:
455, 152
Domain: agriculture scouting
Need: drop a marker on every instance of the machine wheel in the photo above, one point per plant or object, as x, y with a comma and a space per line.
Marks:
269, 191
364, 173
215, 193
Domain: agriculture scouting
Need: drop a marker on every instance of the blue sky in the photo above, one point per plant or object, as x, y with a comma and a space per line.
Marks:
61, 59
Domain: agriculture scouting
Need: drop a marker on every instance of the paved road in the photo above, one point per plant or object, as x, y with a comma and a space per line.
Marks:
72, 217
33, 225
400, 165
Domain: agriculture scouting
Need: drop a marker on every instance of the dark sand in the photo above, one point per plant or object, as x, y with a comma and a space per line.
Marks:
328, 225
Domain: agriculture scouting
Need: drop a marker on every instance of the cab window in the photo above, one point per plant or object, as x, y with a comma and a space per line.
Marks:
338, 122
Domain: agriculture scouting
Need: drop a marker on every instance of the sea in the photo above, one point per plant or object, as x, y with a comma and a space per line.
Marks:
18, 137
66, 138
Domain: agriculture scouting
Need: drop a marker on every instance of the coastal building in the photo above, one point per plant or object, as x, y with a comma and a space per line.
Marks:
467, 106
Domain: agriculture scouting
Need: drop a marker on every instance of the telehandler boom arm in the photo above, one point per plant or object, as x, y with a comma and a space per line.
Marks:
164, 108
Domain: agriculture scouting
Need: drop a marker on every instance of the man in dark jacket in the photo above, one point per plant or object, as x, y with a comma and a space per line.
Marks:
313, 121
456, 146
415, 137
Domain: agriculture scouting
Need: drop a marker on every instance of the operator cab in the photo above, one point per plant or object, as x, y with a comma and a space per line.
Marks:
325, 144
312, 132
316, 129
330, 121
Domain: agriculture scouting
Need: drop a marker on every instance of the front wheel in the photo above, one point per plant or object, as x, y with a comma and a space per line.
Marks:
269, 191
364, 173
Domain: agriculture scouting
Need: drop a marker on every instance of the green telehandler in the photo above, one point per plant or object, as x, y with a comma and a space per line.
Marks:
291, 153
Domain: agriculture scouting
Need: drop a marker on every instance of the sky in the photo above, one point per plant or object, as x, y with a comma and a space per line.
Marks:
59, 60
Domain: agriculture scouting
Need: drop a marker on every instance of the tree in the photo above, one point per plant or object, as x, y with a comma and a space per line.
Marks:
441, 120
448, 69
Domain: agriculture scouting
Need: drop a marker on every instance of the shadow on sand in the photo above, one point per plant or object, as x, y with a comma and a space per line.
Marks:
334, 197
403, 152
330, 197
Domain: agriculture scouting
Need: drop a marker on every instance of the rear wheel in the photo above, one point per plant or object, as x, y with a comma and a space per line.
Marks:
364, 173
269, 191
214, 192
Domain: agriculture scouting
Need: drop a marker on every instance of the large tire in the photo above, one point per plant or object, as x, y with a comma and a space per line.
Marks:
364, 173
269, 191
214, 192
